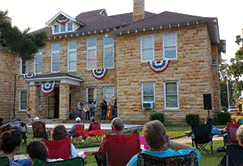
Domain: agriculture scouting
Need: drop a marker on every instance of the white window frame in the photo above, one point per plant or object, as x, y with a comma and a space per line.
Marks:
142, 85
87, 94
20, 109
104, 94
87, 55
72, 51
39, 53
58, 28
26, 67
105, 47
177, 84
72, 26
62, 25
141, 47
55, 52
164, 48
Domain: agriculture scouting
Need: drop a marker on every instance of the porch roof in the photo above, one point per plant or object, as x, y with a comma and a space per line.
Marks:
60, 78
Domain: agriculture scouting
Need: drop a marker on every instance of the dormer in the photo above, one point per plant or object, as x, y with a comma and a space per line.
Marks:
63, 23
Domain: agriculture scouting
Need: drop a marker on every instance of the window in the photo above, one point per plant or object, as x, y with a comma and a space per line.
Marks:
108, 53
24, 66
38, 62
91, 54
55, 57
171, 95
63, 26
108, 93
90, 95
147, 48
56, 28
170, 46
70, 26
72, 56
22, 100
148, 92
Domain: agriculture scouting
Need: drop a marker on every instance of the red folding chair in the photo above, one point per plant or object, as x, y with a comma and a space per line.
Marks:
232, 127
121, 149
96, 133
58, 149
80, 132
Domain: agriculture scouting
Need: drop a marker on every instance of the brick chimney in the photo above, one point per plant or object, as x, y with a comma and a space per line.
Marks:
138, 10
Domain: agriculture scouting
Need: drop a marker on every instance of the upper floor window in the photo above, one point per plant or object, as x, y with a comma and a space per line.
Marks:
56, 28
147, 48
70, 26
108, 53
38, 62
170, 46
171, 95
55, 57
63, 27
24, 66
91, 54
72, 56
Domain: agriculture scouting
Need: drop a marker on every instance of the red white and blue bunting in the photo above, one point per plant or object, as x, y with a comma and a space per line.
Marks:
158, 66
99, 73
27, 76
62, 20
47, 88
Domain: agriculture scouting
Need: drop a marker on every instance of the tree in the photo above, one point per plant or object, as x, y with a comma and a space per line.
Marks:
24, 44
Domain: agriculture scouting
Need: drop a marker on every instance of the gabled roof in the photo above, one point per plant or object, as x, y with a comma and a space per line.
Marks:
57, 15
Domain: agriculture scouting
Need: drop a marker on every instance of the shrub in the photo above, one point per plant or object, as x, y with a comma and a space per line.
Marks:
223, 117
192, 119
157, 116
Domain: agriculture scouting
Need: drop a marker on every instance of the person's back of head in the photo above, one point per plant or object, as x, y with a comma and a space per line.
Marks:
239, 135
92, 119
59, 132
36, 119
37, 149
9, 140
117, 124
155, 134
209, 121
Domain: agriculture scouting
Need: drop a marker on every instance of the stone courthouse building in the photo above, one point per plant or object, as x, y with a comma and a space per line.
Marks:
150, 62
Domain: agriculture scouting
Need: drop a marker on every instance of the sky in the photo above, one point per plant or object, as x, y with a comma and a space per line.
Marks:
35, 14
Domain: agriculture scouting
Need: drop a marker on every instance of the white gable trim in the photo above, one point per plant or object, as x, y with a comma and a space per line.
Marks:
58, 14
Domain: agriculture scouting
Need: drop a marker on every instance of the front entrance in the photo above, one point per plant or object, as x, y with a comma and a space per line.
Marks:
56, 102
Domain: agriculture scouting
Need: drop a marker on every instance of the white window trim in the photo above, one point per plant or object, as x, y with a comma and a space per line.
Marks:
171, 108
20, 100
87, 94
104, 47
164, 47
72, 26
91, 48
72, 50
27, 64
52, 55
141, 49
59, 28
104, 91
40, 54
142, 92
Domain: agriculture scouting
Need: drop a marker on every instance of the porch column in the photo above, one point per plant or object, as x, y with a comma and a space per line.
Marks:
34, 100
63, 101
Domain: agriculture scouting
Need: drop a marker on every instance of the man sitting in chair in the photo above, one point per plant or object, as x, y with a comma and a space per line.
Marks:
73, 129
117, 129
160, 144
92, 124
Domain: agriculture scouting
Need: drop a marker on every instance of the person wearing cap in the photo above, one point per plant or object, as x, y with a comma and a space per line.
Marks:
36, 119
73, 129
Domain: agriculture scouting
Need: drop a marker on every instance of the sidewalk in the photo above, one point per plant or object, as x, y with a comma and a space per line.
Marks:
182, 140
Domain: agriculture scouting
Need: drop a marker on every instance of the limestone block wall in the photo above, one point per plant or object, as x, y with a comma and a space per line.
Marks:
192, 71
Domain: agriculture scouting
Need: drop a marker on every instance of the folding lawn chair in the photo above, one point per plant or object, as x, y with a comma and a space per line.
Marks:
121, 149
96, 133
78, 161
231, 128
39, 130
58, 149
234, 155
79, 132
202, 136
4, 161
148, 160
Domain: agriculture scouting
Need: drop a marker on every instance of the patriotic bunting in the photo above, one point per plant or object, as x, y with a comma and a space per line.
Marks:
27, 76
62, 20
47, 88
158, 66
99, 73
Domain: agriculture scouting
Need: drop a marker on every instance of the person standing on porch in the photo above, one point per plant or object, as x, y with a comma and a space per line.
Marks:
29, 121
87, 111
80, 107
92, 109
103, 109
115, 108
